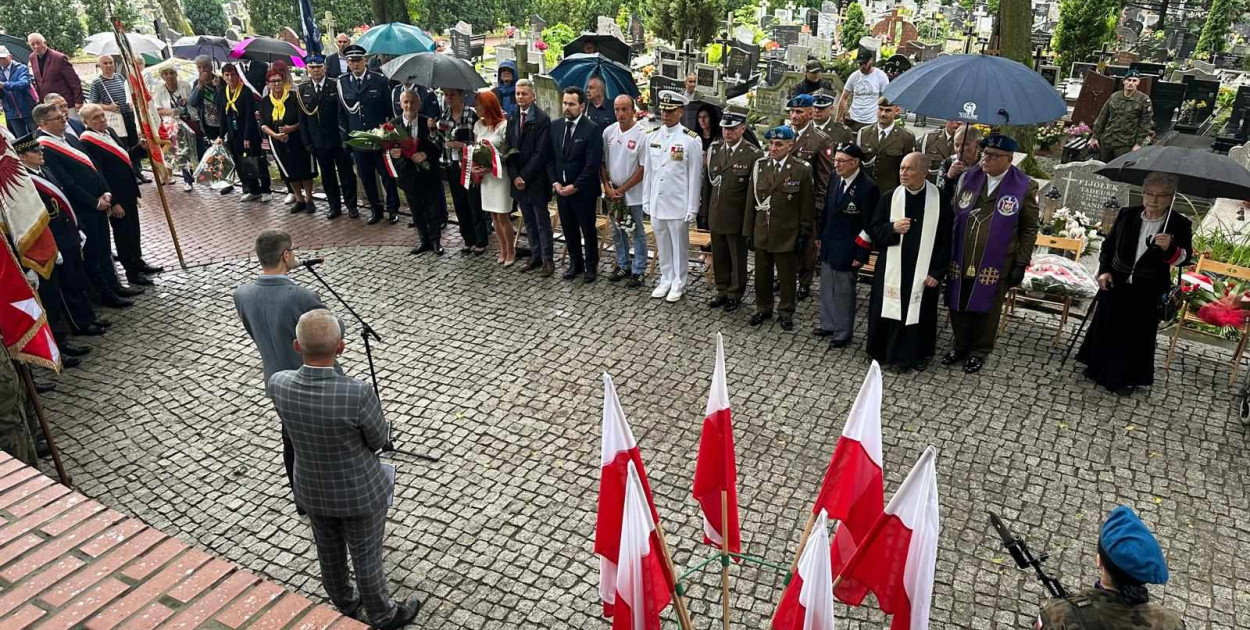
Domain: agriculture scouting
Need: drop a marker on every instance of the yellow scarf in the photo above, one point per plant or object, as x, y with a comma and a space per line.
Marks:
232, 100
279, 105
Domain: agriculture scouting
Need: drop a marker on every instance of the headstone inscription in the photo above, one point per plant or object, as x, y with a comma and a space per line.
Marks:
1080, 68
661, 83
547, 94
461, 43
1147, 67
1084, 190
743, 58
1203, 91
786, 34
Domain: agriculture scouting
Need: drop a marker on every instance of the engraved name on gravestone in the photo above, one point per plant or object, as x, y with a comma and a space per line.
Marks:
786, 34
770, 102
1084, 190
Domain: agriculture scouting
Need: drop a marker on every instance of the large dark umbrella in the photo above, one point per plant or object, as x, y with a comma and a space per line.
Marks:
577, 70
977, 89
435, 70
17, 47
1203, 174
607, 45
268, 50
193, 46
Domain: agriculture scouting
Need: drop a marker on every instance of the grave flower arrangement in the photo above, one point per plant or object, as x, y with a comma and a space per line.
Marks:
1069, 223
1223, 303
1048, 135
387, 137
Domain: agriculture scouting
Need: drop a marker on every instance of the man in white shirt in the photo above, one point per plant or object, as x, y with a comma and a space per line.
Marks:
857, 106
673, 175
623, 144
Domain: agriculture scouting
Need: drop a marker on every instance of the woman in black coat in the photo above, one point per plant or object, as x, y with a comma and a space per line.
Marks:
417, 175
279, 119
242, 133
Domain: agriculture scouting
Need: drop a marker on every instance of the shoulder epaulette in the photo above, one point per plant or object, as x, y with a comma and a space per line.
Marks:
691, 133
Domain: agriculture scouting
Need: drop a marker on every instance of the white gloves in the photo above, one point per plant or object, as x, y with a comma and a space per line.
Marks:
690, 215
59, 258
82, 238
32, 278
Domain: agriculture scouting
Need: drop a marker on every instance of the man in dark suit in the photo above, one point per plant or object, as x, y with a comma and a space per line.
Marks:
336, 63
53, 72
850, 200
528, 132
364, 104
577, 154
318, 99
336, 425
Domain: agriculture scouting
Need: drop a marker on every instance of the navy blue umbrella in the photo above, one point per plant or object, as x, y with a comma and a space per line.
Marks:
977, 89
577, 70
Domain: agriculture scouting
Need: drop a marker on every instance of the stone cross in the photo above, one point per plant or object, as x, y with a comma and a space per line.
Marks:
1037, 58
968, 38
329, 22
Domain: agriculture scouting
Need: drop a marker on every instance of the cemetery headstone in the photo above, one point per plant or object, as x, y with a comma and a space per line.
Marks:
1240, 110
708, 77
1241, 155
1084, 190
504, 53
1041, 39
1095, 91
477, 46
767, 22
547, 94
813, 22
1051, 74
1204, 91
671, 69
1149, 68
1080, 68
895, 29
736, 89
461, 44
1165, 98
828, 7
1125, 58
775, 72
786, 34
1227, 60
637, 33
770, 101
608, 26
1126, 35
827, 25
743, 58
1115, 70
744, 35
1204, 66
784, 16
1134, 25
796, 56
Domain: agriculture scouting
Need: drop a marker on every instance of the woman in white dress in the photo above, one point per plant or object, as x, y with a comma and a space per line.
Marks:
496, 194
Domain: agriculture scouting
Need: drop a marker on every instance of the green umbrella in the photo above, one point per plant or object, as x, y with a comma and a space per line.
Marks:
396, 39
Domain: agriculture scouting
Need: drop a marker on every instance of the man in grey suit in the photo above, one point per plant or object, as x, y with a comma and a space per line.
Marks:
335, 423
269, 307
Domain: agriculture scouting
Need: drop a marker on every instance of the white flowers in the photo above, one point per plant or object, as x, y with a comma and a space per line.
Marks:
1069, 223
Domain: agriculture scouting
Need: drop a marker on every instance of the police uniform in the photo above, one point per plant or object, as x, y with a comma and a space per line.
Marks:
319, 128
814, 147
839, 134
1134, 557
780, 213
1123, 123
937, 145
725, 191
884, 153
673, 172
364, 104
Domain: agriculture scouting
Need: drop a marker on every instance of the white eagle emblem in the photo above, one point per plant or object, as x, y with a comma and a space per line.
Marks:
1008, 205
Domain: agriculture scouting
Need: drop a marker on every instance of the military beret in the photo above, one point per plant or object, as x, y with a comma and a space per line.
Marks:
851, 149
1132, 548
822, 101
315, 60
672, 100
802, 100
26, 143
780, 132
814, 65
732, 119
1000, 142
1133, 73
355, 51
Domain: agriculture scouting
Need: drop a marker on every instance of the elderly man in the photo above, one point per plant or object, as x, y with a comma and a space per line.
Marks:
624, 143
205, 99
812, 146
75, 127
16, 94
725, 191
53, 73
857, 106
778, 223
966, 154
674, 170
1124, 122
937, 145
993, 235
598, 107
911, 227
884, 146
335, 424
850, 202
1138, 260
528, 133
812, 82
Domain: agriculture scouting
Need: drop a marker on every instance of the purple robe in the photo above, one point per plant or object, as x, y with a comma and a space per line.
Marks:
1011, 194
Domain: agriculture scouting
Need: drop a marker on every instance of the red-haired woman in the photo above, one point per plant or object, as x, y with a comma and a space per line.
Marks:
491, 126
279, 120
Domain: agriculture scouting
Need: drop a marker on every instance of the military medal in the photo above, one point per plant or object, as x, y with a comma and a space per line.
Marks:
677, 154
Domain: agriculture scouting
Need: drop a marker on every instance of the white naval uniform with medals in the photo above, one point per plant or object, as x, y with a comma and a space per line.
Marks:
673, 166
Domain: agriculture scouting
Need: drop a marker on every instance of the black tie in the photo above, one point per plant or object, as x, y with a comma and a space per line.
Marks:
568, 137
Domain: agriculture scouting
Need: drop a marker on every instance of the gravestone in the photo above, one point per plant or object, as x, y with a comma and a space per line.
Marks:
504, 53
608, 26
812, 19
1125, 58
1240, 110
744, 35
547, 94
817, 47
1241, 155
786, 34
1126, 35
738, 88
743, 58
1080, 68
784, 16
1095, 91
770, 102
1205, 91
1227, 60
1204, 66
637, 34
524, 66
1116, 70
1134, 25
1165, 97
1149, 68
895, 30
827, 25
775, 72
767, 22
796, 56
658, 84
461, 44
1050, 73
1041, 39
1083, 190
708, 77
828, 7
671, 69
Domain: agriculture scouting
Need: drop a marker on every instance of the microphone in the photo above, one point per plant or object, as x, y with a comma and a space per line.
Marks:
312, 262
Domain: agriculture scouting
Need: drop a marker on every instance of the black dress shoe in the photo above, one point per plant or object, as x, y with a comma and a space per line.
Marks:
103, 323
760, 318
953, 357
334, 213
425, 247
297, 208
1125, 391
466, 250
139, 279
972, 365
404, 614
804, 292
394, 218
572, 272
590, 276
70, 362
92, 330
74, 351
353, 213
150, 269
839, 343
438, 250
44, 388
732, 305
113, 301
533, 264
787, 323
549, 269
352, 610
227, 190
374, 218
128, 291
920, 366
41, 446
717, 302
634, 281
310, 207
412, 223
821, 332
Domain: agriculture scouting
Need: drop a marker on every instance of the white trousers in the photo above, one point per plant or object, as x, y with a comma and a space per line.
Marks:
672, 244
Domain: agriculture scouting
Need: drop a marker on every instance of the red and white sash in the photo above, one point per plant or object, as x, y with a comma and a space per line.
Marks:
61, 146
52, 190
106, 142
466, 163
390, 164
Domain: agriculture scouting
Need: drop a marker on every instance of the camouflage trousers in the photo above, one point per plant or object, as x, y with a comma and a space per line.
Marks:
15, 431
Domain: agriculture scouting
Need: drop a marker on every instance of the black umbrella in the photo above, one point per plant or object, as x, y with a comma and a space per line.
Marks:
192, 46
1203, 174
607, 45
17, 47
266, 49
434, 70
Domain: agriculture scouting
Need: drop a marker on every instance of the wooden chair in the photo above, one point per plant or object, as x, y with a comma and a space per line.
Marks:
1211, 266
1075, 246
869, 269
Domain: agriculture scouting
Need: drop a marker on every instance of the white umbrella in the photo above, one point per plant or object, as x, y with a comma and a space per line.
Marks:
106, 44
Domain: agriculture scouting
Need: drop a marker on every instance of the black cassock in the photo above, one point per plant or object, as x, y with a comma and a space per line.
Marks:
889, 341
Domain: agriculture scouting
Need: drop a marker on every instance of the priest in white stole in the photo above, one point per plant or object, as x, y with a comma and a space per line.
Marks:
912, 231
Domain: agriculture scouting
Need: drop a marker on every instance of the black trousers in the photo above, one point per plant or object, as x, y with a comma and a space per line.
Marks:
422, 196
126, 237
370, 167
577, 221
808, 264
259, 185
729, 264
133, 149
97, 252
974, 333
337, 177
787, 276
474, 225
71, 276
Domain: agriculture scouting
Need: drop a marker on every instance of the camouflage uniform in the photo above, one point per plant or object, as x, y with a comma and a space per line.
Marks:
1103, 609
15, 436
1123, 123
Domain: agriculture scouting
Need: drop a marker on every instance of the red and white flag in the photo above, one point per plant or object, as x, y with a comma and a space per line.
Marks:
22, 214
715, 471
618, 455
642, 588
807, 603
23, 323
897, 557
853, 490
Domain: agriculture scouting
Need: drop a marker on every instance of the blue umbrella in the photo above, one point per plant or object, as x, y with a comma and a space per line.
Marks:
577, 70
396, 39
977, 89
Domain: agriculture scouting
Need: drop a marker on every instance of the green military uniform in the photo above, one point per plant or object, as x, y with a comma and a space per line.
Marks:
725, 190
814, 147
884, 155
1098, 608
15, 436
1123, 123
937, 146
839, 134
780, 206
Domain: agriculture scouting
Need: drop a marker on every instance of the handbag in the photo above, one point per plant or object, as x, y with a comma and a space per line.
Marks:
1171, 302
249, 168
115, 120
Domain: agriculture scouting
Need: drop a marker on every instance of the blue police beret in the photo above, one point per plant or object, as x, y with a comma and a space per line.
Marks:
315, 60
1000, 142
802, 100
780, 132
1132, 548
851, 149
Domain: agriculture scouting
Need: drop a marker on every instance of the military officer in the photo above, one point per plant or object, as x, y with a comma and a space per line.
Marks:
937, 145
884, 145
814, 147
318, 100
778, 222
992, 240
1124, 122
725, 190
822, 116
1129, 557
364, 104
673, 173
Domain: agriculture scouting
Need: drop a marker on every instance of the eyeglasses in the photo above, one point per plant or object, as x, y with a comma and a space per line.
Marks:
843, 160
986, 155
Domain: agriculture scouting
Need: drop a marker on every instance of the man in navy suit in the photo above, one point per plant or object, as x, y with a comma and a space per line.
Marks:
528, 131
850, 200
364, 104
577, 154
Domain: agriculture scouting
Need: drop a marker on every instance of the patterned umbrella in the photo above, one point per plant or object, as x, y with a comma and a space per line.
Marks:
396, 39
185, 69
977, 89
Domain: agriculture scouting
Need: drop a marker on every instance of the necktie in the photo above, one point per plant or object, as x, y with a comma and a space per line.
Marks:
520, 130
568, 136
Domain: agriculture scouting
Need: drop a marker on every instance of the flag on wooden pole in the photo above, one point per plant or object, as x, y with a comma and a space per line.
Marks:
807, 603
642, 588
716, 471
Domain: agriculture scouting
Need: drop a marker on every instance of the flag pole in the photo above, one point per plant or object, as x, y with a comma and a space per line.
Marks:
807, 532
869, 538
724, 562
683, 615
43, 423
146, 128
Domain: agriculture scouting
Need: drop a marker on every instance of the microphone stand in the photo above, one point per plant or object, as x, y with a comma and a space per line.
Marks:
366, 331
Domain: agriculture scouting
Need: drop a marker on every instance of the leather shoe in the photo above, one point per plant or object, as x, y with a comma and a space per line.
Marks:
760, 318
103, 323
821, 332
74, 351
334, 213
425, 247
953, 357
404, 614
438, 250
41, 446
972, 365
374, 218
732, 305
549, 269
128, 291
352, 610
113, 301
533, 264
297, 208
139, 279
92, 330
149, 269
44, 388
70, 362
395, 218
353, 213
839, 343
786, 323
804, 292
717, 302
572, 272
591, 276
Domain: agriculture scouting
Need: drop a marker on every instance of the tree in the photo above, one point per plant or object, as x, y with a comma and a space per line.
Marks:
387, 11
57, 21
1084, 26
1219, 21
437, 16
1015, 42
679, 20
556, 37
174, 18
853, 26
207, 17
348, 14
98, 18
267, 16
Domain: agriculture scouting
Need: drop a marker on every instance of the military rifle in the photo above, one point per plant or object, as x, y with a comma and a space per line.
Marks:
1024, 558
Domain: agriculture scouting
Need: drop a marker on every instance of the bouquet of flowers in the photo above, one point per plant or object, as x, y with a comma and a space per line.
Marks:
385, 138
1221, 303
1056, 275
1069, 223
484, 154
1079, 130
619, 215
1050, 134
215, 166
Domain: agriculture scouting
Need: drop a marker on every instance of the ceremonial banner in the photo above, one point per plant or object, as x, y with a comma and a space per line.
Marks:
23, 323
22, 215
642, 588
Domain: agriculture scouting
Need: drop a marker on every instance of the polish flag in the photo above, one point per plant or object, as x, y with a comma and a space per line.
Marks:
642, 588
807, 603
715, 470
852, 492
619, 454
897, 557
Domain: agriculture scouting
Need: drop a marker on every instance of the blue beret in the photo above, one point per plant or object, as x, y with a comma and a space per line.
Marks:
780, 132
1000, 142
802, 100
1132, 548
315, 60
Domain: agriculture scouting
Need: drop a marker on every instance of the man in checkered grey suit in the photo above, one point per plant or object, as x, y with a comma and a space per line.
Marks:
335, 425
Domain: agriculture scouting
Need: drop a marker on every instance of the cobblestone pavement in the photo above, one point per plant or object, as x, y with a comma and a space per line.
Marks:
498, 373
